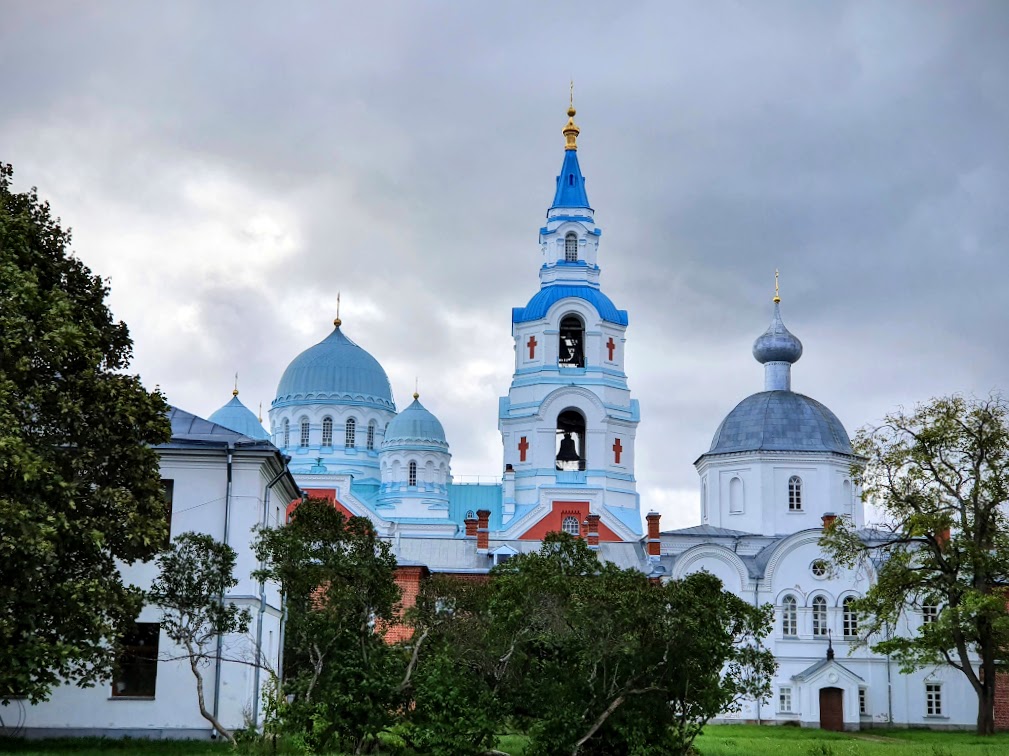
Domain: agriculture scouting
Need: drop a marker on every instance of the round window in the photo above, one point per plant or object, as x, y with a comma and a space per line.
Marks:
819, 568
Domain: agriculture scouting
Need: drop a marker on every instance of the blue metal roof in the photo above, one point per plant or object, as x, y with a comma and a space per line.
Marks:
335, 370
546, 297
415, 424
239, 418
777, 344
471, 497
780, 421
570, 184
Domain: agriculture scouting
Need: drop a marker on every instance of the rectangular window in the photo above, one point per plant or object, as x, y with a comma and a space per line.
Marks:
933, 700
371, 436
136, 670
304, 433
863, 707
785, 699
929, 614
168, 486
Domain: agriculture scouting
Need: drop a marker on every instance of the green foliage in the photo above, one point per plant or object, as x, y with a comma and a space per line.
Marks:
338, 582
590, 658
79, 480
940, 477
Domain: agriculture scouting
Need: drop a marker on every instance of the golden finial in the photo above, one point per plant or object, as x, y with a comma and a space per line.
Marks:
235, 392
260, 412
571, 131
777, 297
336, 321
416, 388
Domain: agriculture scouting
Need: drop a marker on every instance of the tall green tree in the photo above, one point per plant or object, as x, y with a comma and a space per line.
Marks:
338, 581
940, 478
194, 573
79, 481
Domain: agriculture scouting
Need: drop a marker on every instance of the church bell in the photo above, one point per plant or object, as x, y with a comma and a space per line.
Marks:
567, 452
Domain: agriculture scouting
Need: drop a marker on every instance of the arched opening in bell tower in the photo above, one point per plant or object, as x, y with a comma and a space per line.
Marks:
570, 440
571, 346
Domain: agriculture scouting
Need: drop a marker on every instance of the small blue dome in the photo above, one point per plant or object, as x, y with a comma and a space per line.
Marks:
336, 370
237, 417
548, 296
780, 421
415, 426
777, 344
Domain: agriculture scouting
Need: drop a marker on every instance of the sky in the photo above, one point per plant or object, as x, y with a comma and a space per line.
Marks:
231, 166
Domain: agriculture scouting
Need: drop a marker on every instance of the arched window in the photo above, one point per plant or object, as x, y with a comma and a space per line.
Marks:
413, 474
819, 616
736, 495
570, 440
571, 248
795, 494
789, 616
850, 619
371, 435
287, 433
327, 431
570, 525
304, 432
350, 433
846, 501
571, 345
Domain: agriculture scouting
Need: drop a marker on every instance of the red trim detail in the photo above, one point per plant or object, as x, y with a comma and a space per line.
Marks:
551, 522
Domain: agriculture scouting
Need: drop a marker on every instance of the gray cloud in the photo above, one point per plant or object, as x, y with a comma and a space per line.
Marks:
231, 166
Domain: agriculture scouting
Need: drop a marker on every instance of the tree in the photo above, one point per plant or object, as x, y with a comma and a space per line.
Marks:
79, 481
940, 478
338, 581
594, 659
193, 575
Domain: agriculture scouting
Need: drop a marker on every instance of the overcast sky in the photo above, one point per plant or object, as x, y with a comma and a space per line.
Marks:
230, 166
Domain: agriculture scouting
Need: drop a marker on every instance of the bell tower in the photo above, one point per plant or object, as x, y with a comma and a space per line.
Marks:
568, 422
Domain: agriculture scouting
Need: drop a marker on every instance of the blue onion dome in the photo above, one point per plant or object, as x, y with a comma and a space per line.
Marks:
780, 421
336, 370
237, 417
777, 344
415, 427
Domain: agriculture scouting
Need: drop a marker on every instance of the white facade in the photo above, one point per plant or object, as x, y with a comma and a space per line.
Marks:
199, 462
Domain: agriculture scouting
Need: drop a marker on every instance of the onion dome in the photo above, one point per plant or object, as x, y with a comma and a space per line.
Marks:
780, 421
335, 371
777, 344
237, 417
415, 427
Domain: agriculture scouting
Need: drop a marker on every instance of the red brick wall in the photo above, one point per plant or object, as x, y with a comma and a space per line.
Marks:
408, 579
1002, 701
551, 523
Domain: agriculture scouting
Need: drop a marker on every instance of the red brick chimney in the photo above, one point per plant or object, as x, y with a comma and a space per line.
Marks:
654, 542
470, 523
593, 531
828, 519
483, 531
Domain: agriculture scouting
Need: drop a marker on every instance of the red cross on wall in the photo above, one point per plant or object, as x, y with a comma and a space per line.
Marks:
532, 347
523, 448
617, 448
611, 346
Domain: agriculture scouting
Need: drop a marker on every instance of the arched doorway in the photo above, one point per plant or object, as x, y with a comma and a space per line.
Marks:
832, 709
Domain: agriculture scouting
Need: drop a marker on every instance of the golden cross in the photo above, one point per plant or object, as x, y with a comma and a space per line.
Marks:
777, 297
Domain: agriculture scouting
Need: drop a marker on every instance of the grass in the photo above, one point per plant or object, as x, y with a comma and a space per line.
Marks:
717, 740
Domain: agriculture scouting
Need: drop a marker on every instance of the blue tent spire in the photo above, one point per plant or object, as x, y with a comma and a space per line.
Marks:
570, 183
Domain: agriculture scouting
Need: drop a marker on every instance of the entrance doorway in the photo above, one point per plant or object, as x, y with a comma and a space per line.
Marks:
832, 709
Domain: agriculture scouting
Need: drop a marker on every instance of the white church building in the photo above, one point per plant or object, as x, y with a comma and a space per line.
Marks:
779, 466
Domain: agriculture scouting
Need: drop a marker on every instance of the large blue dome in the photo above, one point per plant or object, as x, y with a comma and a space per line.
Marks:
237, 417
415, 427
780, 421
336, 370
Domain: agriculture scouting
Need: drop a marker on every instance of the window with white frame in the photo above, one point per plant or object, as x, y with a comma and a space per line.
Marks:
350, 433
413, 474
820, 616
327, 431
785, 699
304, 432
849, 624
570, 525
933, 699
789, 616
795, 494
863, 705
287, 433
571, 248
371, 435
929, 613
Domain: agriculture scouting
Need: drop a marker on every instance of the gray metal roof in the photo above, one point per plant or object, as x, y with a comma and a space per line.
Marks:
780, 421
191, 430
812, 670
706, 530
